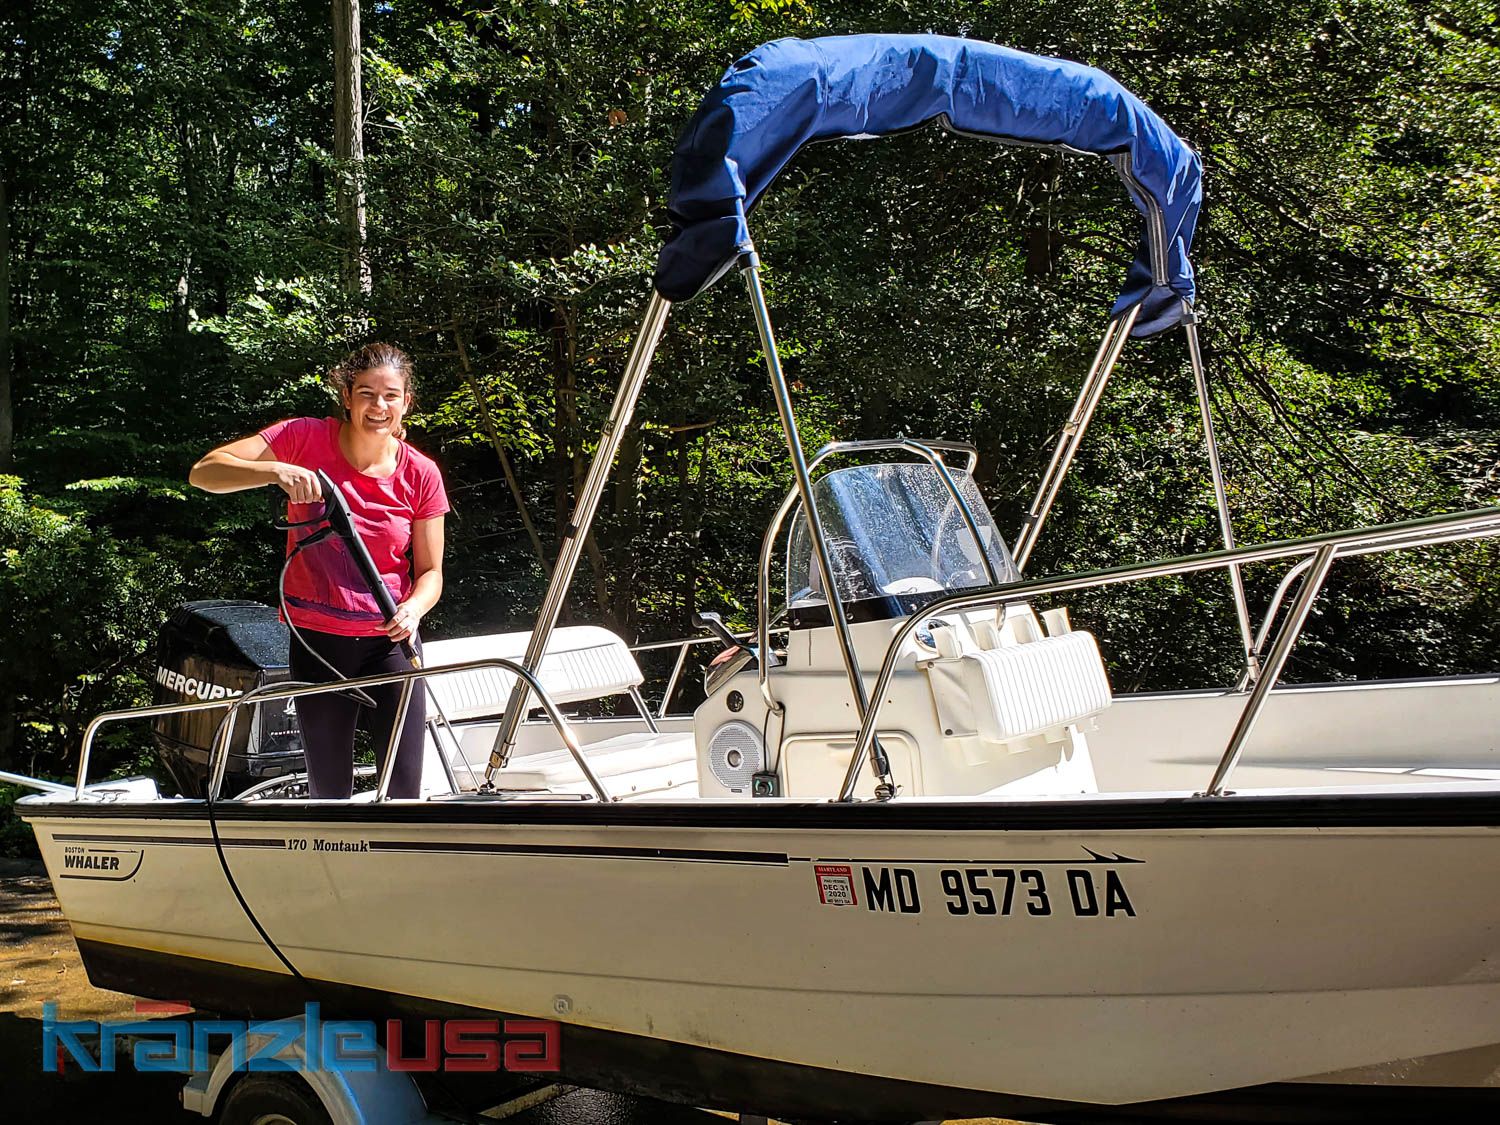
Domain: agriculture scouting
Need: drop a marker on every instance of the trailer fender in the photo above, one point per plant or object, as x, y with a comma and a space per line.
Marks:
351, 1097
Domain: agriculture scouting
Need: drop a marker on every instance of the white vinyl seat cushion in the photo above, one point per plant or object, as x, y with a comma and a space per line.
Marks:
1037, 686
1016, 691
582, 662
627, 764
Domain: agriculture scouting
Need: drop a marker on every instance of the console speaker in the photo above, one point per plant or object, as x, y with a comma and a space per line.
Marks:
735, 755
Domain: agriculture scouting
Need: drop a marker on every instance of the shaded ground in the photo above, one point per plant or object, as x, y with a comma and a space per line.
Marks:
38, 963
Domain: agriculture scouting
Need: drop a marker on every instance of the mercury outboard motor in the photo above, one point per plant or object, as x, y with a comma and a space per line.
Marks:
216, 650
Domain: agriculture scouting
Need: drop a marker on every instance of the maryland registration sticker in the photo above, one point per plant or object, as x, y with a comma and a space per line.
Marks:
835, 884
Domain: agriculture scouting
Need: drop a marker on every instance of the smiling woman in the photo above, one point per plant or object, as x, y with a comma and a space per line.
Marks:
397, 502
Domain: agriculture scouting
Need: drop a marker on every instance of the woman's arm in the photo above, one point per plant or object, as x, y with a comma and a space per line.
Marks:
249, 463
427, 566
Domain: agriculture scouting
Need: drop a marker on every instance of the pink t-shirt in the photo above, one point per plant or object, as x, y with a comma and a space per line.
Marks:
324, 590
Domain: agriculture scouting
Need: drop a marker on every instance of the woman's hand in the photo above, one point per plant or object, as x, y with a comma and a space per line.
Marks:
300, 485
400, 627
427, 569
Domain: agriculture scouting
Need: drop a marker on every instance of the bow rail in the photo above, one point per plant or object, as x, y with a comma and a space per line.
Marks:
1316, 555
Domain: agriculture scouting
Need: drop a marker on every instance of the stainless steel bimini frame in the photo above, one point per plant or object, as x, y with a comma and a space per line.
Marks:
750, 269
1069, 441
219, 755
1319, 552
1071, 437
1221, 498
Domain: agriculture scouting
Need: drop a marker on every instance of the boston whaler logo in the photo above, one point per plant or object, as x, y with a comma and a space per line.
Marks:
112, 864
188, 685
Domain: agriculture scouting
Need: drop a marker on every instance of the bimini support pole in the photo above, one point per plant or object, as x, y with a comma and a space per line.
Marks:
578, 527
749, 267
1072, 433
1221, 498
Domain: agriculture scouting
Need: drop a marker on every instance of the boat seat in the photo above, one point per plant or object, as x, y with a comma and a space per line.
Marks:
582, 662
638, 762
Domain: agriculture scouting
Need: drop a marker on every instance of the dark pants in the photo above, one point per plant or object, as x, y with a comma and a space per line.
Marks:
328, 720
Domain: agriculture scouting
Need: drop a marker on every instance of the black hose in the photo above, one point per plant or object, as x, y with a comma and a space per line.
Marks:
213, 820
340, 522
213, 826
208, 791
359, 695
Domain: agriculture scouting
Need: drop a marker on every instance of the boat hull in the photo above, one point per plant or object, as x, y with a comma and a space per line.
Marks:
983, 957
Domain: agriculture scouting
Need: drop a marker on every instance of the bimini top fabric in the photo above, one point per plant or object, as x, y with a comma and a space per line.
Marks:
790, 92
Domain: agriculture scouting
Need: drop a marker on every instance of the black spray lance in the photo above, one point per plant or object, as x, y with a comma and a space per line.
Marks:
336, 512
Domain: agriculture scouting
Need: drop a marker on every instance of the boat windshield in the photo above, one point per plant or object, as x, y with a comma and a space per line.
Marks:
897, 541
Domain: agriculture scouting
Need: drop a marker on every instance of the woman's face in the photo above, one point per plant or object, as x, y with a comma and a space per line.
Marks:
377, 402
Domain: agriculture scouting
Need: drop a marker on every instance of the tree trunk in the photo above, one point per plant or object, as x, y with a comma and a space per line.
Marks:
693, 502
564, 415
488, 421
181, 299
192, 204
688, 572
567, 441
601, 583
627, 527
7, 421
349, 149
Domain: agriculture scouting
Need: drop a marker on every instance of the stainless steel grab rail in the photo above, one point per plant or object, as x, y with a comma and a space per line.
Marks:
39, 783
1448, 528
220, 757
1322, 562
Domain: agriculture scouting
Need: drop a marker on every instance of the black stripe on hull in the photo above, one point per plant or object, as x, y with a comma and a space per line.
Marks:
459, 847
1332, 810
701, 1076
583, 851
177, 841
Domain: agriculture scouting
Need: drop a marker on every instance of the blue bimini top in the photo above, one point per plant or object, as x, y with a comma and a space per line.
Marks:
788, 93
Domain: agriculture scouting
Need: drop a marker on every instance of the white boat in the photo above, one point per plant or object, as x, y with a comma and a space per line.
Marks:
918, 861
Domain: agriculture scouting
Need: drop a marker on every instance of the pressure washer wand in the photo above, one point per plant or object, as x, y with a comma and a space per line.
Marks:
336, 512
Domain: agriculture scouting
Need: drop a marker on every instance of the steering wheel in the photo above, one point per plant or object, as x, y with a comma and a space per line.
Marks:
972, 574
